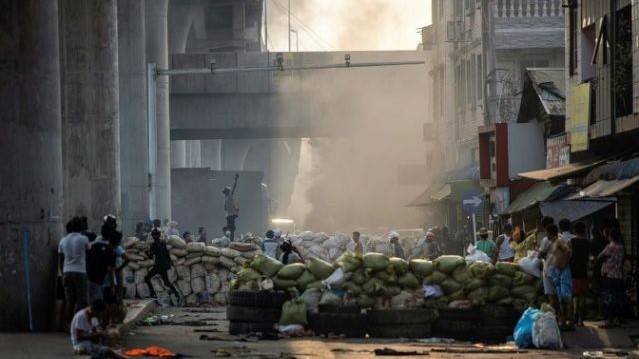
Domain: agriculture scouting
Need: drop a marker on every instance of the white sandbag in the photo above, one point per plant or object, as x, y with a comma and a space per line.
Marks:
179, 252
128, 275
142, 290
198, 285
212, 251
307, 236
220, 298
172, 274
174, 259
531, 264
210, 260
129, 290
230, 253
336, 279
195, 247
158, 285
180, 262
176, 242
213, 283
546, 334
210, 267
240, 260
184, 286
193, 261
192, 255
197, 270
475, 255
139, 275
130, 242
249, 255
404, 300
183, 272
242, 247
330, 298
133, 265
228, 263
147, 263
312, 299
134, 257
190, 300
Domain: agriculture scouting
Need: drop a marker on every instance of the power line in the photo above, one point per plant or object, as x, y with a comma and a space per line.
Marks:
312, 34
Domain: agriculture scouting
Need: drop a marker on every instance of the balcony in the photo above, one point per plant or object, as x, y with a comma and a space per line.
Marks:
528, 8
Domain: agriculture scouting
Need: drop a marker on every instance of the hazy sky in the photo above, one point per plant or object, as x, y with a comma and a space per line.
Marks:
347, 24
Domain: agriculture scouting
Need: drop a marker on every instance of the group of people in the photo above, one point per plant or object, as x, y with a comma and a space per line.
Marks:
91, 268
566, 252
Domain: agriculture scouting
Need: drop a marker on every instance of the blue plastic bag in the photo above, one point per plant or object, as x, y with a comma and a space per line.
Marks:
524, 328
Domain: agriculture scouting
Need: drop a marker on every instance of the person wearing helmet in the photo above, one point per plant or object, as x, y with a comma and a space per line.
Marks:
395, 247
269, 244
232, 211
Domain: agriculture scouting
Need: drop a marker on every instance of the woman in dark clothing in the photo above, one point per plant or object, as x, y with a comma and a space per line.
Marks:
612, 285
579, 269
597, 245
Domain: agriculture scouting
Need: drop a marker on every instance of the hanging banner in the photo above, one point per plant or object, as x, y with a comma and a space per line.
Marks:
579, 112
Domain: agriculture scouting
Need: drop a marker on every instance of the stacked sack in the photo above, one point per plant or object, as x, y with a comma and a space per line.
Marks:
320, 245
201, 273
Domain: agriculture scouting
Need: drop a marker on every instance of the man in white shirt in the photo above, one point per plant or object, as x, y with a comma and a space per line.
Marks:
269, 245
355, 245
72, 252
85, 332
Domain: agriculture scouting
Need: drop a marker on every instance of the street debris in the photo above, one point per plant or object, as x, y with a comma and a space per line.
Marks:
394, 352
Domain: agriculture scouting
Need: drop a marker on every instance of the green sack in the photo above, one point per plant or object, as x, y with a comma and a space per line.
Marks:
266, 265
497, 292
281, 283
435, 278
506, 268
458, 295
352, 288
482, 270
474, 284
304, 280
521, 278
376, 261
520, 304
501, 279
246, 275
436, 303
388, 278
478, 296
365, 301
400, 266
527, 292
349, 262
316, 285
505, 301
294, 312
359, 277
319, 268
408, 280
450, 286
462, 275
448, 263
421, 267
373, 286
291, 271
390, 291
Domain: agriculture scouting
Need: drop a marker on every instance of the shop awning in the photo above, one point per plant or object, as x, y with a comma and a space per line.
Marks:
571, 210
537, 193
423, 199
453, 190
604, 188
444, 192
560, 172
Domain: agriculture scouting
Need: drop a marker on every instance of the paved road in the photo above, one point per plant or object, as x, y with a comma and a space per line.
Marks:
185, 340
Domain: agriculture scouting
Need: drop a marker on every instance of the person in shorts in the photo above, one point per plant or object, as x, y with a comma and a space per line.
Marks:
86, 334
579, 269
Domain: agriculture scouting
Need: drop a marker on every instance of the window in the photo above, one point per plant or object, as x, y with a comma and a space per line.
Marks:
480, 79
588, 68
574, 32
458, 8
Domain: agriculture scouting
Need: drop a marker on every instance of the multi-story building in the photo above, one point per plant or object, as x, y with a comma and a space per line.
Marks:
481, 51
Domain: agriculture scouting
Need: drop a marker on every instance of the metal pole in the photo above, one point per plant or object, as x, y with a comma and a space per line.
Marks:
289, 25
474, 230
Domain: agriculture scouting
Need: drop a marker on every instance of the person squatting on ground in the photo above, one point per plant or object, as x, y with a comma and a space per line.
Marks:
161, 264
579, 269
72, 263
231, 209
86, 334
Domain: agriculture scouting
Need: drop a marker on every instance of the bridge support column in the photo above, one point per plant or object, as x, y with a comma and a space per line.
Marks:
31, 152
90, 106
134, 146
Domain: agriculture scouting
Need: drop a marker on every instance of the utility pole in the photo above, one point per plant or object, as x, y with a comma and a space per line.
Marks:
289, 25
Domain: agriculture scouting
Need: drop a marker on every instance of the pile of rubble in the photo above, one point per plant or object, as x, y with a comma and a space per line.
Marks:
202, 273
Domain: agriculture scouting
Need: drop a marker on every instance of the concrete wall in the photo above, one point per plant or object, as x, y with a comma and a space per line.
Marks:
30, 150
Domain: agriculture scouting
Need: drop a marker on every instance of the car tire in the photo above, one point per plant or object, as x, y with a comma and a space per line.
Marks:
399, 317
258, 299
410, 331
238, 328
349, 325
491, 312
252, 314
470, 314
337, 309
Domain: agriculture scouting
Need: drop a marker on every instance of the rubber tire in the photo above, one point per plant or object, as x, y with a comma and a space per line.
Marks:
337, 309
410, 331
471, 314
349, 325
456, 329
237, 328
258, 299
252, 314
490, 312
398, 317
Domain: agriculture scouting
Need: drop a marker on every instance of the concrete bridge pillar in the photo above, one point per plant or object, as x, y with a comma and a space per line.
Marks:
157, 52
212, 154
134, 145
31, 153
90, 109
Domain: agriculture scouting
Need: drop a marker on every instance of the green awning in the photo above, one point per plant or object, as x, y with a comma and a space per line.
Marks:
540, 191
453, 190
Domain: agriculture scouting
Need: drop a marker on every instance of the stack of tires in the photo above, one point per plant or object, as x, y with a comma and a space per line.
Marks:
409, 323
460, 324
254, 312
497, 322
338, 320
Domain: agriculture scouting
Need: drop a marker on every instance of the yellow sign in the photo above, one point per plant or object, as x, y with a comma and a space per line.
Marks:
579, 111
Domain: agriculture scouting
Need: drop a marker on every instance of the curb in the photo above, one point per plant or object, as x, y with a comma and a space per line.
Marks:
135, 313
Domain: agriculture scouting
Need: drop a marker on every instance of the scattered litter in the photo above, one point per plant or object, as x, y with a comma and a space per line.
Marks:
212, 330
474, 350
436, 341
394, 352
151, 351
347, 350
